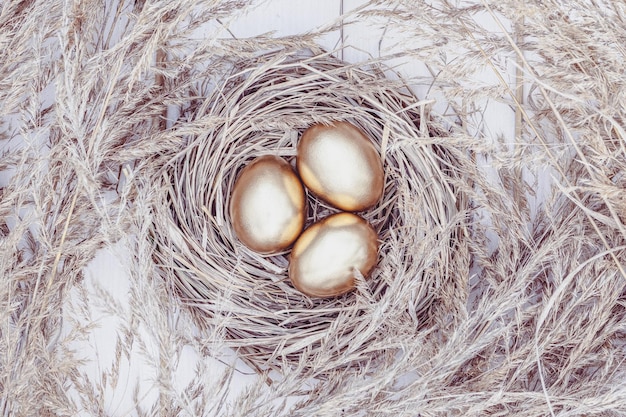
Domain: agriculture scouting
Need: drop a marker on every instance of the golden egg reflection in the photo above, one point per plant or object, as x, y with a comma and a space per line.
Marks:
324, 258
268, 206
339, 164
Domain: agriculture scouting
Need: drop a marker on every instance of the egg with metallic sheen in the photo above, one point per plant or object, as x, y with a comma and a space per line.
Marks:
340, 165
324, 258
268, 205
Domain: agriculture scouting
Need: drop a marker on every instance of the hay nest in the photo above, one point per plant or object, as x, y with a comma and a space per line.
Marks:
89, 163
261, 106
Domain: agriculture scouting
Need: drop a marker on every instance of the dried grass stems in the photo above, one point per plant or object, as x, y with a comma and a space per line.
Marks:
485, 301
547, 303
76, 90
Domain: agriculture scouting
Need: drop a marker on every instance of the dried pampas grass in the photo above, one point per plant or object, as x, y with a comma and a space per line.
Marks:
500, 288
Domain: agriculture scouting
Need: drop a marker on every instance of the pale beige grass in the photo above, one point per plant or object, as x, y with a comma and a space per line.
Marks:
484, 302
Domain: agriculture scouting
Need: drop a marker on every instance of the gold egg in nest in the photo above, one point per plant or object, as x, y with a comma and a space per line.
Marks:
324, 258
340, 165
268, 205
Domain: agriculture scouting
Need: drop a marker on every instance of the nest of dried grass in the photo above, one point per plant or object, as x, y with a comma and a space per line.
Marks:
513, 304
261, 107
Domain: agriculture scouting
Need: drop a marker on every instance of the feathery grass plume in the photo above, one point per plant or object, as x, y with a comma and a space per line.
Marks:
77, 90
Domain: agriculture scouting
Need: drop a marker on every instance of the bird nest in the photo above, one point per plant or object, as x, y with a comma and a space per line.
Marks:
261, 107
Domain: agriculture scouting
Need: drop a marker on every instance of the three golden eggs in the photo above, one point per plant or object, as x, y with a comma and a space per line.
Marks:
339, 164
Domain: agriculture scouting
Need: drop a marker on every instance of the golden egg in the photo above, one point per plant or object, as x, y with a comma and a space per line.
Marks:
339, 164
267, 205
324, 258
